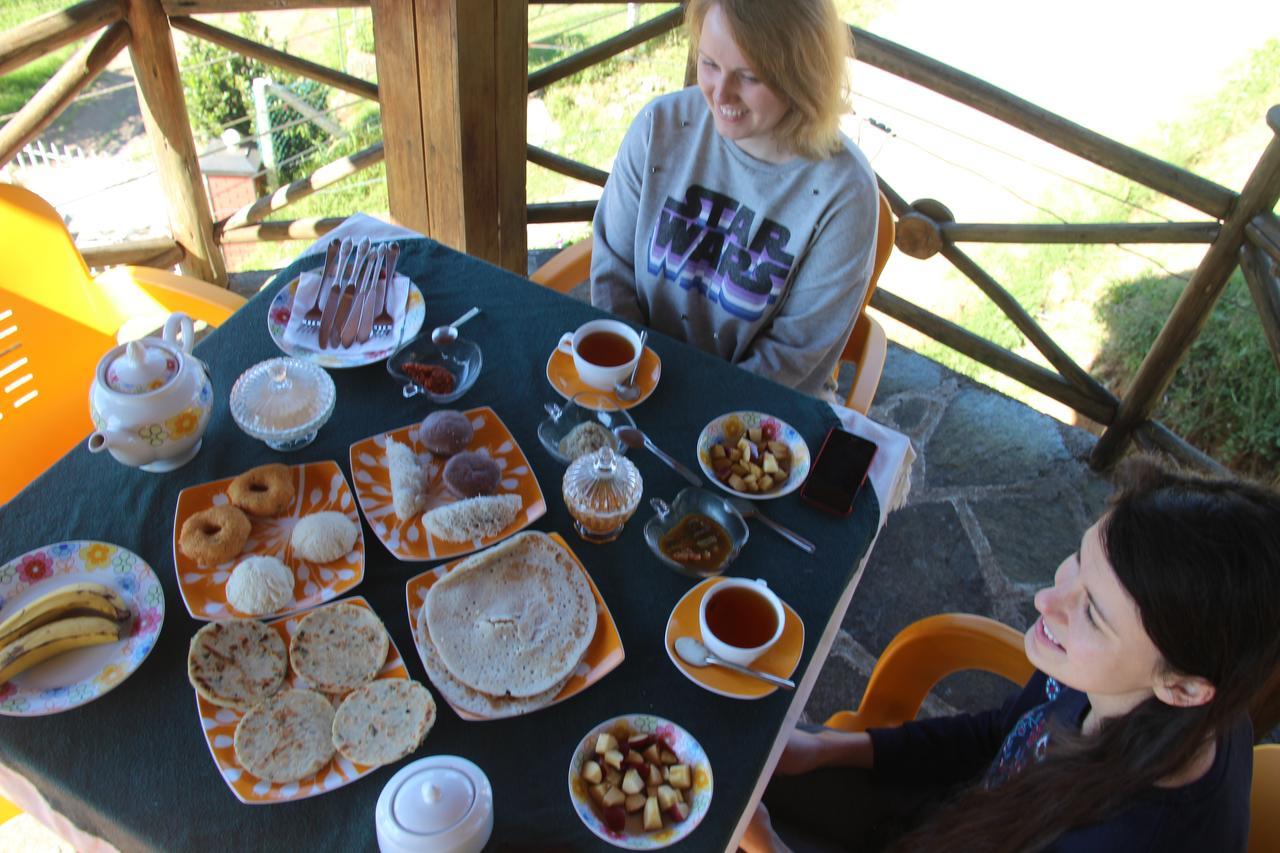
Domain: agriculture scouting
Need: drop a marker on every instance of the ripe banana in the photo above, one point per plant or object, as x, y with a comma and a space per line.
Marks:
53, 639
84, 598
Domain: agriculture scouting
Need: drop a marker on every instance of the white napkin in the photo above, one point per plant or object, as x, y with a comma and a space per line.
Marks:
357, 226
890, 472
296, 336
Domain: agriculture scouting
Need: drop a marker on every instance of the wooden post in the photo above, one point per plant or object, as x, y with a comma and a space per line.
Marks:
164, 114
452, 80
1194, 305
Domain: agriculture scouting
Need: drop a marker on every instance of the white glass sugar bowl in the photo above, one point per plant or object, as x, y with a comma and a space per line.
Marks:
150, 400
283, 401
440, 804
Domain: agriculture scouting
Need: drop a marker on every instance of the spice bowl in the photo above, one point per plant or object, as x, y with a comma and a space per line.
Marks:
418, 364
565, 437
698, 534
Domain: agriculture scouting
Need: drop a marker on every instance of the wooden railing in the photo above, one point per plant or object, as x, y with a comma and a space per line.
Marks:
453, 175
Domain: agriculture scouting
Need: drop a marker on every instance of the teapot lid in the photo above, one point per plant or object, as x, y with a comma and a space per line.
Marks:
142, 367
435, 798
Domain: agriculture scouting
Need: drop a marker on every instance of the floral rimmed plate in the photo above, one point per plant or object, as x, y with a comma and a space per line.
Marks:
686, 749
406, 538
563, 377
282, 308
603, 655
318, 487
219, 725
717, 431
80, 676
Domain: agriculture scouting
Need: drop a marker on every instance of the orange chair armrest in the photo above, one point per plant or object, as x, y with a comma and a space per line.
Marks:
199, 299
567, 269
870, 366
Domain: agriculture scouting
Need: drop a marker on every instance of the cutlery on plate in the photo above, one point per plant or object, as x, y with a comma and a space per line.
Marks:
332, 262
383, 322
694, 653
344, 303
632, 437
747, 509
369, 299
331, 324
351, 327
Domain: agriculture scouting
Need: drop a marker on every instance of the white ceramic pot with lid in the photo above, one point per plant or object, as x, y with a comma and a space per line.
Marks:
440, 804
150, 400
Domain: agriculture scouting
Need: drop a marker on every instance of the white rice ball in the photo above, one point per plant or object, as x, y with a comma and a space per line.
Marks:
260, 585
323, 536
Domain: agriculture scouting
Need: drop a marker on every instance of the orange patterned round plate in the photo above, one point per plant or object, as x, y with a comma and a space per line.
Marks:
319, 487
219, 725
602, 656
406, 538
781, 660
563, 377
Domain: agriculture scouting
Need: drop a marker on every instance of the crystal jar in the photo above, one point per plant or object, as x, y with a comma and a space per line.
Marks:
283, 401
601, 490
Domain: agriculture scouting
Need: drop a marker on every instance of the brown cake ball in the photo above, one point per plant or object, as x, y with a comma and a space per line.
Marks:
445, 432
470, 474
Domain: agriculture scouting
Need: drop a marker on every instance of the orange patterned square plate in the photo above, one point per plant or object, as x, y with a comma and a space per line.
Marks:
406, 538
602, 657
319, 487
219, 726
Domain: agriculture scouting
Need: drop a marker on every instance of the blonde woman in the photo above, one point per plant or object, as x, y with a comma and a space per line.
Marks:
738, 218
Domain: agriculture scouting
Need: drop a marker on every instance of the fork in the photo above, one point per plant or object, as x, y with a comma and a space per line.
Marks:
333, 259
383, 322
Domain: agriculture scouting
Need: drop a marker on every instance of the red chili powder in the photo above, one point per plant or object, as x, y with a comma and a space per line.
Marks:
432, 377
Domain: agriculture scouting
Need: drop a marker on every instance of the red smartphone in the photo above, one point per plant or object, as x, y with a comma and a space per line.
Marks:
838, 471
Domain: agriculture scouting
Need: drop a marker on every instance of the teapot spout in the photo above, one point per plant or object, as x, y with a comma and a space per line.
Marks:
125, 447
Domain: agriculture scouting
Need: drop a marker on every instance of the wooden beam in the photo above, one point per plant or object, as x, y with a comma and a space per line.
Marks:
571, 65
278, 58
1100, 232
43, 35
1157, 435
511, 57
395, 33
981, 350
275, 231
155, 252
1194, 305
1260, 273
565, 166
1264, 232
1191, 189
327, 175
212, 7
561, 211
60, 90
164, 115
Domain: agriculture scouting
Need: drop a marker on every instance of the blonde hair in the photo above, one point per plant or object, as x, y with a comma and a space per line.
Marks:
798, 48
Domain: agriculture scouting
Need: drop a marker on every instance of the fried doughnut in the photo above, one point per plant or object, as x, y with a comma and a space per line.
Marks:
263, 491
214, 535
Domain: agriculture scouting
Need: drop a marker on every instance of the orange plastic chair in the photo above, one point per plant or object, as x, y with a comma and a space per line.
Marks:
57, 320
8, 810
867, 344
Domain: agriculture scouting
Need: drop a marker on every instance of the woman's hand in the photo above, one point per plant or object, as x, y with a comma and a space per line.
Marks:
806, 751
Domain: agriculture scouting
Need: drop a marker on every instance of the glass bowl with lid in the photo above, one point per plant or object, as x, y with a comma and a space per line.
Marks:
572, 430
601, 490
283, 401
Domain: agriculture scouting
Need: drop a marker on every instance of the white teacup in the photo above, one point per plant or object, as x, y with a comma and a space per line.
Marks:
746, 619
600, 352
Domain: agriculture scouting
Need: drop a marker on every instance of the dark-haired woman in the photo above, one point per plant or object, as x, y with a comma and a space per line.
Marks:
1133, 734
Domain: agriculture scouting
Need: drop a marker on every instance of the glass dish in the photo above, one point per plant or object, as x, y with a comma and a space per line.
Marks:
283, 401
563, 419
601, 491
462, 358
707, 503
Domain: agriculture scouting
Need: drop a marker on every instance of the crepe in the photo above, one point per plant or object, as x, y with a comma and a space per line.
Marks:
383, 721
514, 620
237, 663
338, 648
286, 738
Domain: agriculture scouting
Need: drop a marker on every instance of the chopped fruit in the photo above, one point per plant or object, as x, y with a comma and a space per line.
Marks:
613, 758
655, 775
669, 757
652, 815
631, 783
592, 772
597, 794
615, 817
666, 797
614, 797
651, 791
637, 774
634, 758
652, 754
678, 812
639, 741
612, 776
678, 776
635, 802
605, 742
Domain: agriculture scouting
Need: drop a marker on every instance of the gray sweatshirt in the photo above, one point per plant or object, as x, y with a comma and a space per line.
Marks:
763, 264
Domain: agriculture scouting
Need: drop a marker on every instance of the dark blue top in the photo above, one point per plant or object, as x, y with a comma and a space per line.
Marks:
1211, 813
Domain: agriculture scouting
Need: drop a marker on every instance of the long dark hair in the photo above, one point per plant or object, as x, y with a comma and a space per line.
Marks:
1201, 558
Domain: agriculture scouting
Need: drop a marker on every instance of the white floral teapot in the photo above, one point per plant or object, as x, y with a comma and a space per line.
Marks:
150, 400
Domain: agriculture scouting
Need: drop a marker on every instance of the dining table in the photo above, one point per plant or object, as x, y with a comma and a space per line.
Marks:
132, 770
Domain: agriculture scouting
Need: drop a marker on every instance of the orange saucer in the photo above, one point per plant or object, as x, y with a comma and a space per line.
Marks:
563, 377
781, 660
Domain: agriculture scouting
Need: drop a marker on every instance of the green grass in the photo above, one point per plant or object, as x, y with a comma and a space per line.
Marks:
17, 87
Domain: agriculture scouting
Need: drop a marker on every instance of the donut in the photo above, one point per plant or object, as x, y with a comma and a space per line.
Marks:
445, 432
471, 474
263, 491
214, 535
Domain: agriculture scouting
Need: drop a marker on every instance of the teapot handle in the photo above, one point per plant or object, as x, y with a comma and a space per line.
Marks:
177, 320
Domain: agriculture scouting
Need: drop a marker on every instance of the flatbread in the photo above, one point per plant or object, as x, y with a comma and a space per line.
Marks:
463, 698
383, 721
286, 738
472, 518
338, 648
513, 620
236, 664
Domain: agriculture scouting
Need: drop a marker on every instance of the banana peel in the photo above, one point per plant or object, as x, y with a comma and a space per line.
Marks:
84, 598
55, 638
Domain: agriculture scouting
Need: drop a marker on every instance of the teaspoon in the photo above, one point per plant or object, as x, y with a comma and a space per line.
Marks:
694, 653
629, 391
442, 336
632, 437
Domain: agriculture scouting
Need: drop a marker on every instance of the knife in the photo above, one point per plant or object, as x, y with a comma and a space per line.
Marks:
360, 323
347, 297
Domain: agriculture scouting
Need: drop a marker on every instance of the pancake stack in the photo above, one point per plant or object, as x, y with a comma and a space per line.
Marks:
504, 631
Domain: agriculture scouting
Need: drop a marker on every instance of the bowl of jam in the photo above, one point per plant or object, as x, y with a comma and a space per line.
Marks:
440, 373
698, 534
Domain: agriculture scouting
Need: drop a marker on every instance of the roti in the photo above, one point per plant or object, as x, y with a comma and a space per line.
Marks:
383, 721
515, 620
286, 738
464, 698
338, 648
236, 664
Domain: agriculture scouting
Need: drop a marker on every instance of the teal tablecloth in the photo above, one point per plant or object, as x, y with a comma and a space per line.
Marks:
133, 767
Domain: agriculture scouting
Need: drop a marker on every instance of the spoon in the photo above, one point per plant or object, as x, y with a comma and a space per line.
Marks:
442, 336
629, 390
694, 653
747, 509
632, 437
